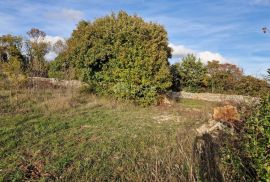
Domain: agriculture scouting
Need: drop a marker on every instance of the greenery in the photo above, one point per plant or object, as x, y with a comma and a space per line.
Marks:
119, 55
258, 140
246, 152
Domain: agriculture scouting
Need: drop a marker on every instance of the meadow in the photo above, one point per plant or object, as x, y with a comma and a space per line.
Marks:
52, 133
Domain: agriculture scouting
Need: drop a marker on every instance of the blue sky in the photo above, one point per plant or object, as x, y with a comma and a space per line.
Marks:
228, 30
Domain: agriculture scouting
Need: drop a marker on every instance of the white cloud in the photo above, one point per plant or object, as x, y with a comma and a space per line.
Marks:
181, 51
66, 15
210, 56
53, 39
50, 56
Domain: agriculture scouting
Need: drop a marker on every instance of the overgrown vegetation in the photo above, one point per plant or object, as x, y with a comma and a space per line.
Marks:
245, 154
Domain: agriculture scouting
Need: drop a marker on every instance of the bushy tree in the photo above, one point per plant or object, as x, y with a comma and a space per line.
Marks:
120, 55
12, 63
223, 77
11, 47
192, 73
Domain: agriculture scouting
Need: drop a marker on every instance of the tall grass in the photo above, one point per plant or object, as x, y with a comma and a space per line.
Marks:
62, 134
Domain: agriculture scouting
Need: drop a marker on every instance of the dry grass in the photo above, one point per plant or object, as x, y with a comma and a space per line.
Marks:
61, 134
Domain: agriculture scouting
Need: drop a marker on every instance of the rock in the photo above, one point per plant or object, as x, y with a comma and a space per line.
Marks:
209, 127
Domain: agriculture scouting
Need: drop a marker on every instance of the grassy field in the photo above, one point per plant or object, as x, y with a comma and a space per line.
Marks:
65, 135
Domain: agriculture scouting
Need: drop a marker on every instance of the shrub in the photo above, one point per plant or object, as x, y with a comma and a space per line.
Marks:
252, 86
246, 153
12, 74
258, 140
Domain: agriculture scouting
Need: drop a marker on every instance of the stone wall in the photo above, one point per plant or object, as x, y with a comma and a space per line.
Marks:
173, 95
57, 82
214, 97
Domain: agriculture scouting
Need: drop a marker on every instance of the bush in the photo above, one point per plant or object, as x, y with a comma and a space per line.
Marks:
119, 55
251, 86
246, 154
12, 74
258, 140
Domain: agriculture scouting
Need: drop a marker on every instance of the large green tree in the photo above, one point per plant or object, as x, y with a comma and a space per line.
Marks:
120, 55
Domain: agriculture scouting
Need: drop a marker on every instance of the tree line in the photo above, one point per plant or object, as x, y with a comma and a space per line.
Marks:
192, 75
123, 56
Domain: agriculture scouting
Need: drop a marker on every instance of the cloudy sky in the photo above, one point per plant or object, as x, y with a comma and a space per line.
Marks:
227, 30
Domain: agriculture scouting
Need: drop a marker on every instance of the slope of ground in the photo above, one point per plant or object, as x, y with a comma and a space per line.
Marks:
62, 134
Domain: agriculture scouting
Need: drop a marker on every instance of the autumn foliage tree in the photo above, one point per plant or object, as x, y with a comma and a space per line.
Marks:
119, 55
223, 77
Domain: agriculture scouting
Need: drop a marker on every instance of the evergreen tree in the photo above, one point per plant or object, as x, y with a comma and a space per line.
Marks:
192, 73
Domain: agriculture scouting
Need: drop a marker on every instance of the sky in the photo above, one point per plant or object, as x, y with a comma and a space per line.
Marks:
225, 30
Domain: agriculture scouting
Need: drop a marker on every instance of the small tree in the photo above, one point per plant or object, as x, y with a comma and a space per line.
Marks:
37, 48
192, 73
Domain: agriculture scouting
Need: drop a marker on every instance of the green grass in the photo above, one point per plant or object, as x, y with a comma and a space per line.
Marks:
198, 104
64, 135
